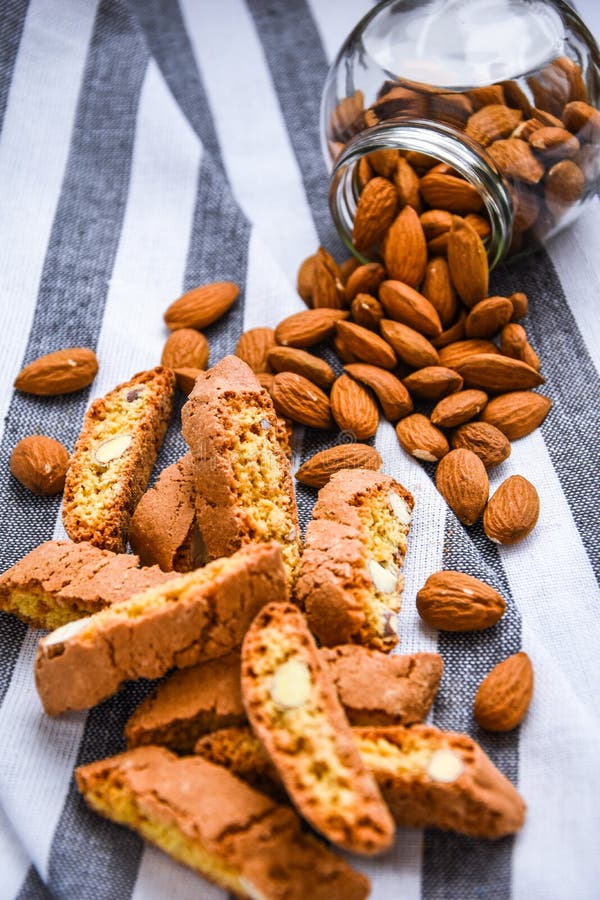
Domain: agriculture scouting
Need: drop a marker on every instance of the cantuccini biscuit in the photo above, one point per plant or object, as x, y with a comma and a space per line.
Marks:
61, 581
428, 778
189, 703
378, 689
200, 615
163, 528
293, 708
244, 488
205, 817
350, 582
113, 458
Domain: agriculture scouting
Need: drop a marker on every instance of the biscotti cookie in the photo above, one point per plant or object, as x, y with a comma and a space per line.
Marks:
207, 819
113, 458
428, 778
201, 615
244, 489
163, 529
350, 582
378, 689
293, 708
189, 703
61, 581
432, 778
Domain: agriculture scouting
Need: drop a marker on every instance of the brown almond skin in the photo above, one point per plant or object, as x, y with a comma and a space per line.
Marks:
327, 289
516, 414
304, 279
404, 304
364, 280
300, 400
40, 463
375, 212
498, 374
292, 359
432, 382
421, 439
367, 311
488, 316
468, 262
185, 348
453, 333
504, 695
366, 346
451, 193
202, 305
514, 343
253, 347
438, 289
309, 327
186, 378
458, 408
458, 352
512, 511
487, 442
405, 248
409, 345
462, 481
60, 372
353, 408
454, 601
317, 470
392, 395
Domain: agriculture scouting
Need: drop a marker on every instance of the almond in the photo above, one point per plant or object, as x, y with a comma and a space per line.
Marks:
481, 225
453, 601
186, 348
458, 408
512, 511
436, 222
327, 288
451, 193
202, 305
354, 408
411, 347
40, 464
492, 122
462, 481
253, 347
498, 374
504, 695
458, 352
453, 333
405, 248
487, 95
468, 262
554, 144
515, 159
186, 378
61, 372
367, 311
375, 212
317, 470
304, 279
514, 343
300, 400
483, 439
402, 303
364, 172
342, 350
520, 304
394, 398
291, 359
348, 267
407, 184
421, 439
309, 327
364, 280
488, 316
432, 382
583, 120
366, 346
516, 414
384, 162
437, 287
564, 183
266, 380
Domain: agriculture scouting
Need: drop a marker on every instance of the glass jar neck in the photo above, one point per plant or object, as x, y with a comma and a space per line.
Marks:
440, 142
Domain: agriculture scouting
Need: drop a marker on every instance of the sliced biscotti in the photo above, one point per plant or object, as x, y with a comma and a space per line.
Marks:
113, 458
207, 819
61, 581
200, 615
428, 778
378, 689
244, 489
189, 703
350, 582
293, 708
432, 778
163, 529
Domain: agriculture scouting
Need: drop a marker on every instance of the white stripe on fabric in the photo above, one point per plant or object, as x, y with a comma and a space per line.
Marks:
576, 257
335, 21
147, 274
269, 294
33, 154
257, 152
14, 861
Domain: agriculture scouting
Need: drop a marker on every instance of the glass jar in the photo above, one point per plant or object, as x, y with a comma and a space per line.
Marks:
491, 104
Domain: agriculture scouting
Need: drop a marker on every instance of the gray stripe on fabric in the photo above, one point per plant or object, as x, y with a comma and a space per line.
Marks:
572, 383
12, 20
33, 888
298, 66
75, 279
169, 44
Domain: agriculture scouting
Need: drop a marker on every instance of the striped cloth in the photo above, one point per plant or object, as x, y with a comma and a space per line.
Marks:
151, 145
